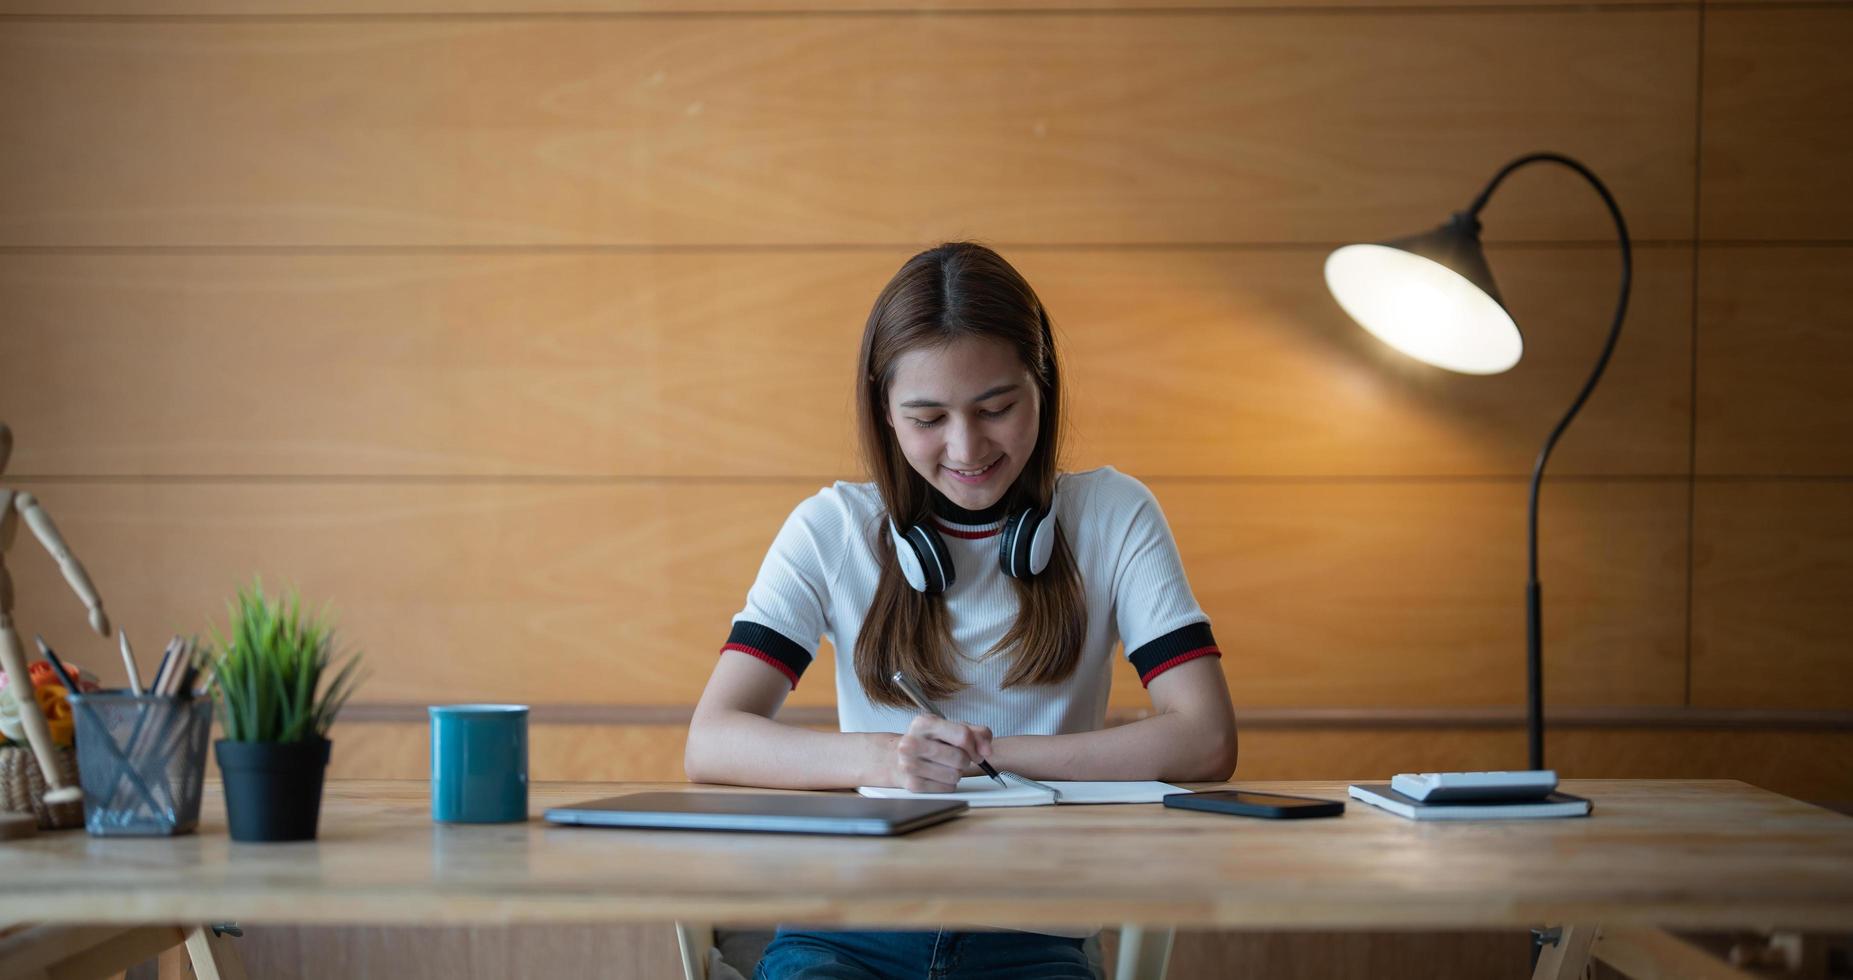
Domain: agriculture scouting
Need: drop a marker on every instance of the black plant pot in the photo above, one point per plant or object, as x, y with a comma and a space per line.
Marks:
273, 790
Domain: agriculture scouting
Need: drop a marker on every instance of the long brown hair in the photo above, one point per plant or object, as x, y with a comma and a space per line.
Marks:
956, 291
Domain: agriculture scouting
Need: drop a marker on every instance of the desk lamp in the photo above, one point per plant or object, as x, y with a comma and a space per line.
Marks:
1431, 296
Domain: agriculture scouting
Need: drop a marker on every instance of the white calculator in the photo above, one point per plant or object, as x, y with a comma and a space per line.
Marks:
1475, 787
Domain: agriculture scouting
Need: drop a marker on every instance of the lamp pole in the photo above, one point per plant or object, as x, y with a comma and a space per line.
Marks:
1534, 602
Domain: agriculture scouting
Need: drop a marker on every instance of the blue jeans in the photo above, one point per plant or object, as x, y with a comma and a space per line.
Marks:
802, 955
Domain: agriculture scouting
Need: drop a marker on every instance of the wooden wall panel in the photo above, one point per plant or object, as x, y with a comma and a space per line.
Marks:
1778, 128
278, 952
615, 8
612, 592
369, 952
1491, 955
431, 365
1413, 593
556, 753
400, 299
1328, 593
1240, 364
1776, 332
1772, 570
1811, 765
718, 364
873, 129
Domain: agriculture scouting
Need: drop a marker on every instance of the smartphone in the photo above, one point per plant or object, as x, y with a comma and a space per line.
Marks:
1271, 806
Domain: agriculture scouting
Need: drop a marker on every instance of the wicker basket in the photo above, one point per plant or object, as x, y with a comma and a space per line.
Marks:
22, 787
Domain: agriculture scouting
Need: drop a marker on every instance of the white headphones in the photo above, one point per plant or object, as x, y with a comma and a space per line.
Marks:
1023, 549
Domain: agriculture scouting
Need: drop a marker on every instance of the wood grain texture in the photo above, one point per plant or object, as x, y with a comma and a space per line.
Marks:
556, 753
1201, 364
1186, 127
1778, 128
1327, 593
1299, 955
1222, 362
1413, 593
647, 952
1816, 766
625, 590
1773, 566
617, 8
1662, 852
508, 124
1807, 765
362, 952
1776, 329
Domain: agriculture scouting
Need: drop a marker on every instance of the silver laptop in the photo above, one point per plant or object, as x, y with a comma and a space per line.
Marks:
777, 813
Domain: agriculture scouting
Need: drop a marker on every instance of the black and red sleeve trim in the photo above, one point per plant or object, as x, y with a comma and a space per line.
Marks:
1183, 644
769, 645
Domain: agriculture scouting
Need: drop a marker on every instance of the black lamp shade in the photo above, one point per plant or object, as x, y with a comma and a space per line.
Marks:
1430, 296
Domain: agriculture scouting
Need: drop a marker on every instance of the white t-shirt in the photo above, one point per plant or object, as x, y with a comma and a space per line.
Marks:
819, 578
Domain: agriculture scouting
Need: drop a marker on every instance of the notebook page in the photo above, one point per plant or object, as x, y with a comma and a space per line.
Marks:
975, 790
981, 791
1116, 791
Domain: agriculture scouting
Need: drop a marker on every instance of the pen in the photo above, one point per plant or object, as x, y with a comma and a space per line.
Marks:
182, 685
160, 673
57, 666
906, 684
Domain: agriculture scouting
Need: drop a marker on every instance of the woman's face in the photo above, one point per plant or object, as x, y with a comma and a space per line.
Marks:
966, 417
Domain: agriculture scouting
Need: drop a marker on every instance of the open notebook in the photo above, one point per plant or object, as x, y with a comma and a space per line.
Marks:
982, 791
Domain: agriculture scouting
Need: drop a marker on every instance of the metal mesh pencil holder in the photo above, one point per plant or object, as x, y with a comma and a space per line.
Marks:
142, 761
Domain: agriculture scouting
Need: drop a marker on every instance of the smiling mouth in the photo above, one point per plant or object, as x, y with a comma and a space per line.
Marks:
970, 474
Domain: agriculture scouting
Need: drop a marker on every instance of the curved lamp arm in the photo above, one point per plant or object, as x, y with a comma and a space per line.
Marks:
1533, 595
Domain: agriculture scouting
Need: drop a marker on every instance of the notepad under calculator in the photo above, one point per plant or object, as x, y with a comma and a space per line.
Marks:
1554, 805
983, 791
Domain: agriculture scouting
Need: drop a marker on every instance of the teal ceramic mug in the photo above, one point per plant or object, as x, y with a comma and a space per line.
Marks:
479, 763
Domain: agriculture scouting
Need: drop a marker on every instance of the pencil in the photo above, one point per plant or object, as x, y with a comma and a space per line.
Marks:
128, 663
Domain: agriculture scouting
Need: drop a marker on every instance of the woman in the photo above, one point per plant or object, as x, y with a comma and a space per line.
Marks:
998, 585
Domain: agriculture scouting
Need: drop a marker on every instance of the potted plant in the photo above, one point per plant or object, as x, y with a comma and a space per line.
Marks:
267, 672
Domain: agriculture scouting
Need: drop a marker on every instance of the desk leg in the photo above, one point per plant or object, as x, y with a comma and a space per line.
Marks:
213, 956
81, 952
693, 940
1569, 957
1145, 954
1651, 954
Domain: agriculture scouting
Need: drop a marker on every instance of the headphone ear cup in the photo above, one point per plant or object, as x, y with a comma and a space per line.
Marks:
1028, 541
908, 559
1042, 543
925, 562
1007, 543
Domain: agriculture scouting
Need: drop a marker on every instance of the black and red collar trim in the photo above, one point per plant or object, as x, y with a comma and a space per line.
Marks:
968, 533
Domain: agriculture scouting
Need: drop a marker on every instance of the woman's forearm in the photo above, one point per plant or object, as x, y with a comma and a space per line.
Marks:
1171, 746
744, 749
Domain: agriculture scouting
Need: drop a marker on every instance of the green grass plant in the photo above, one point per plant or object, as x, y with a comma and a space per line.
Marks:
268, 666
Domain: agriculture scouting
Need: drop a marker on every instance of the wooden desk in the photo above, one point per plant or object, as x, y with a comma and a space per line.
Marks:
1680, 854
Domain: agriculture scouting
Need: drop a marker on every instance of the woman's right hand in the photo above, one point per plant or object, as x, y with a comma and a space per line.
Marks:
935, 753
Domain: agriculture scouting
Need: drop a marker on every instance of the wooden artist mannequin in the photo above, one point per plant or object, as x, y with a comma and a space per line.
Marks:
14, 505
